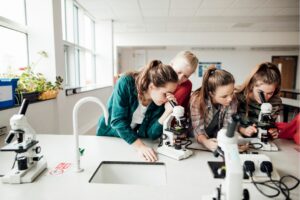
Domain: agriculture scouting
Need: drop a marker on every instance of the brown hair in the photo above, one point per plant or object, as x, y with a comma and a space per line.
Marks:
267, 73
191, 59
154, 72
212, 79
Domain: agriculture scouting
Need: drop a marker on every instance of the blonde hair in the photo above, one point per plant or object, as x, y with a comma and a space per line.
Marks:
190, 58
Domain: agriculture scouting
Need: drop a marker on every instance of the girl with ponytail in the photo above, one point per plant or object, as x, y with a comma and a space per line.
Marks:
264, 77
212, 105
138, 106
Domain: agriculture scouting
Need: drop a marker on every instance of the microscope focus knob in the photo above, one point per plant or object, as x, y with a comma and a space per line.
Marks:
38, 150
177, 144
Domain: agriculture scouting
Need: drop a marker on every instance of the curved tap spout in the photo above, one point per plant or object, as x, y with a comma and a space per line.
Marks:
75, 124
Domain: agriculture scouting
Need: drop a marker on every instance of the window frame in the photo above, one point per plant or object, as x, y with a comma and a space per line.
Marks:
15, 26
78, 49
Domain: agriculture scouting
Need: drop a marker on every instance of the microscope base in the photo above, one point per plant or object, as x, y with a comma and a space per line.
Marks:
27, 176
174, 153
269, 146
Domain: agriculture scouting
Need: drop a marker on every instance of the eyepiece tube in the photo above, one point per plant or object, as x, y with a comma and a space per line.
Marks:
173, 104
232, 125
24, 106
261, 96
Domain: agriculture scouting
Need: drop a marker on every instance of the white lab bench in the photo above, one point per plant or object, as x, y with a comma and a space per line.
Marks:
186, 179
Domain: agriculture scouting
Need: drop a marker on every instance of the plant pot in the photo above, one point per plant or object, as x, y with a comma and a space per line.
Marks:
30, 96
50, 94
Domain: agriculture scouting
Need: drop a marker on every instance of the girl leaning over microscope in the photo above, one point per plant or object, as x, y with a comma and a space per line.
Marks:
264, 77
212, 105
137, 107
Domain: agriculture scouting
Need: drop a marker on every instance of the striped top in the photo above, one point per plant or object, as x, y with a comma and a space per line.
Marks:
254, 109
200, 123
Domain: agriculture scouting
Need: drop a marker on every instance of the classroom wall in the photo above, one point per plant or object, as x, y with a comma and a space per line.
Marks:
239, 62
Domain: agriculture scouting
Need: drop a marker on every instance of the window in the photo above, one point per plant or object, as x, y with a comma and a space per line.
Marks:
79, 41
13, 36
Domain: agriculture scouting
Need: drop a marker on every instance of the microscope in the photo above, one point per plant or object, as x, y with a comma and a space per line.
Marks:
232, 188
29, 163
174, 138
265, 122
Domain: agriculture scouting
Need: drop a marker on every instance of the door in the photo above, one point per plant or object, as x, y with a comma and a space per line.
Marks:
288, 68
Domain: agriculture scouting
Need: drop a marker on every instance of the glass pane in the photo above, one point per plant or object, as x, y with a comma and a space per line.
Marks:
81, 27
13, 10
13, 51
88, 33
87, 69
90, 69
70, 66
70, 21
63, 18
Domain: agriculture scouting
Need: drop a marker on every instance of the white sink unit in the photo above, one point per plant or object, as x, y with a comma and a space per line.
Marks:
134, 173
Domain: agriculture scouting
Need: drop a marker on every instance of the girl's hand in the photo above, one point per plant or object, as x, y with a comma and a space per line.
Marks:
243, 147
274, 132
249, 131
168, 106
211, 144
144, 151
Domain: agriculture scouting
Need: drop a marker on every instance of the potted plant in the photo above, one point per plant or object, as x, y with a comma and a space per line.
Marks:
34, 86
50, 90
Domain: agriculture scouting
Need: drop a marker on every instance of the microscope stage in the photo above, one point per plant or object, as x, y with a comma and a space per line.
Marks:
19, 147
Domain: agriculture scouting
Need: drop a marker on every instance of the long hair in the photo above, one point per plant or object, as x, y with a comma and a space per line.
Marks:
267, 73
212, 79
154, 72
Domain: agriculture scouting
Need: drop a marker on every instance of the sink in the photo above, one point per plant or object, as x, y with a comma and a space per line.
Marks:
134, 173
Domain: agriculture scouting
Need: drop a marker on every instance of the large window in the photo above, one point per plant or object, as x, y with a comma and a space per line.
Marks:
13, 36
79, 40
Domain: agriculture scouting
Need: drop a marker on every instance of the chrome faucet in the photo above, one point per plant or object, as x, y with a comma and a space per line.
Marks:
75, 124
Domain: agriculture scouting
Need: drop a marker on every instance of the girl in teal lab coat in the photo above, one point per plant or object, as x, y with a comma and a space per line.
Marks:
138, 106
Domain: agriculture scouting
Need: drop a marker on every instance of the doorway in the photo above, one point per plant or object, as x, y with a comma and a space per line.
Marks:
288, 68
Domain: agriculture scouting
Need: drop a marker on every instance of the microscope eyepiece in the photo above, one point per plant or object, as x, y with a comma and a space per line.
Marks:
261, 96
173, 104
24, 106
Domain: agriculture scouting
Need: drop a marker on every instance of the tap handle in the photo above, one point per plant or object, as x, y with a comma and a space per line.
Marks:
24, 106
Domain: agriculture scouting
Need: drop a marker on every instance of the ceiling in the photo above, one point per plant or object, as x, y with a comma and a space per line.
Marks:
132, 16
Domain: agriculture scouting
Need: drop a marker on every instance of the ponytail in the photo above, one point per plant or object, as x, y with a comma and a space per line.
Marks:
212, 79
154, 72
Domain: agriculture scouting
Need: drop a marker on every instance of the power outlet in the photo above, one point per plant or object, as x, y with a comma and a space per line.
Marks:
3, 130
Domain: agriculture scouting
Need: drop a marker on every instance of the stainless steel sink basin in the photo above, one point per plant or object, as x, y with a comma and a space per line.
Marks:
134, 173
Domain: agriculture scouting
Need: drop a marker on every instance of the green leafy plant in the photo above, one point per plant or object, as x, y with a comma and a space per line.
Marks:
31, 82
36, 82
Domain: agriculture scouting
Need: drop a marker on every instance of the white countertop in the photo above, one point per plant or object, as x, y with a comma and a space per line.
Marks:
290, 102
186, 179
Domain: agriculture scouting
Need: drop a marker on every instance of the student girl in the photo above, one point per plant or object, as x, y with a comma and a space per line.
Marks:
137, 107
212, 105
184, 64
266, 78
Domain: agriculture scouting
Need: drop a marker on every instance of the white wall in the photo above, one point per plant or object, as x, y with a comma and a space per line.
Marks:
238, 62
207, 39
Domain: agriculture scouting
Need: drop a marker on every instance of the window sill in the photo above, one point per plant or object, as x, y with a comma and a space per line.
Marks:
16, 106
77, 90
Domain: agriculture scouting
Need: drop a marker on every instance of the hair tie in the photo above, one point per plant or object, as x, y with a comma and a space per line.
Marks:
212, 72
